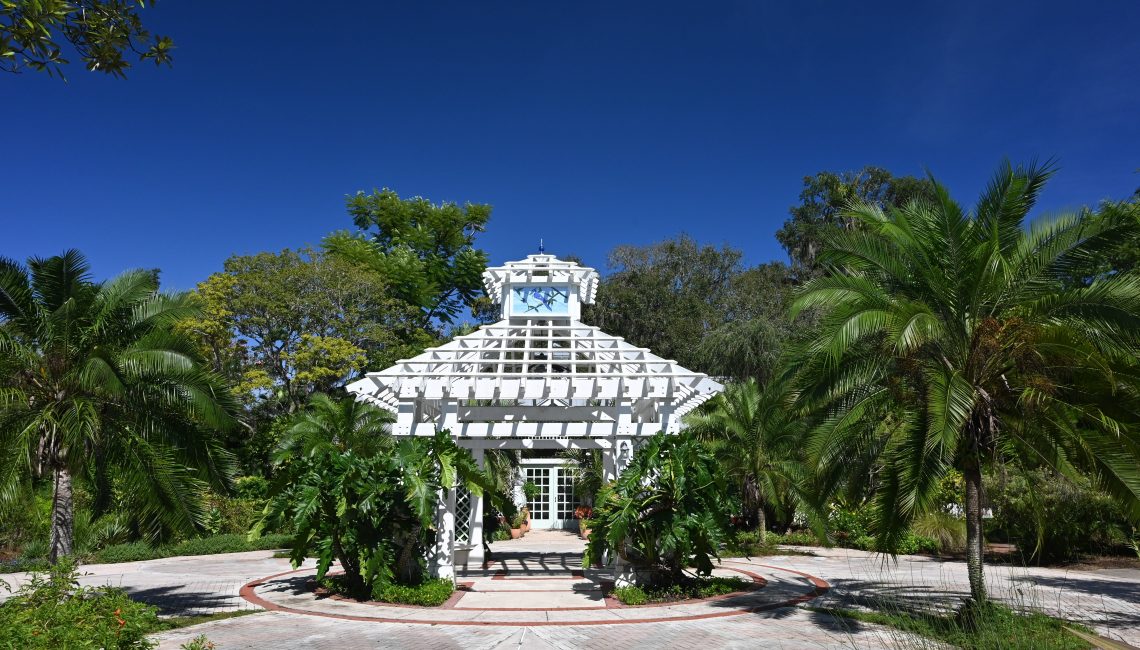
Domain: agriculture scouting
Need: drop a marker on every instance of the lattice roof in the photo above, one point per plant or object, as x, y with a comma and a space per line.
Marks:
536, 359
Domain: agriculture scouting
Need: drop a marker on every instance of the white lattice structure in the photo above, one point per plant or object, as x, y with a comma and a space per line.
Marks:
538, 378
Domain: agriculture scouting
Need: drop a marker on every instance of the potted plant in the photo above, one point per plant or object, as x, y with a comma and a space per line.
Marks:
516, 525
583, 514
525, 512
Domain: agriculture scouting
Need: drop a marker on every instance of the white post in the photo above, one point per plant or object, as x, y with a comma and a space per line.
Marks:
443, 564
609, 461
475, 556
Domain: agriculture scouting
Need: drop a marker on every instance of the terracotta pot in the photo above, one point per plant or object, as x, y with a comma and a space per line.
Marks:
584, 533
516, 533
526, 526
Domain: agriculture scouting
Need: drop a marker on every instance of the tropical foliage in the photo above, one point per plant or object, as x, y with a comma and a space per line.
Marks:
97, 385
698, 305
52, 611
754, 436
32, 35
951, 341
351, 493
425, 250
667, 512
822, 210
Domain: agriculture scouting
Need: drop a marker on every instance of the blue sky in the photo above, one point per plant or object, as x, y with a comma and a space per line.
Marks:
587, 124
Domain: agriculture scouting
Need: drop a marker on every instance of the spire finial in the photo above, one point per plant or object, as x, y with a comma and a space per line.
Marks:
541, 248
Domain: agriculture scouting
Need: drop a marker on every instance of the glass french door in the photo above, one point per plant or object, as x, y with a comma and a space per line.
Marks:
553, 505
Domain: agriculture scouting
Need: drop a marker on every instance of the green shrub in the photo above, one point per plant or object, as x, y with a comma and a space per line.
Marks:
706, 587
631, 595
747, 543
909, 544
500, 535
137, 551
948, 530
1054, 519
228, 515
129, 552
797, 538
430, 593
52, 611
848, 525
251, 487
989, 627
199, 642
21, 564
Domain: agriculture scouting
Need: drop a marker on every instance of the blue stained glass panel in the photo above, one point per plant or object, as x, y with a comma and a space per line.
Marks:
540, 300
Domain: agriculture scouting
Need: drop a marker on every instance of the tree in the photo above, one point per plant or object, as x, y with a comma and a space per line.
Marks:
665, 513
96, 384
1122, 257
100, 31
426, 251
754, 436
666, 296
823, 204
950, 341
287, 325
351, 493
753, 329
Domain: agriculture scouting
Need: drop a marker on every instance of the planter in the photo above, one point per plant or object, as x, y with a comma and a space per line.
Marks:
516, 533
584, 533
526, 526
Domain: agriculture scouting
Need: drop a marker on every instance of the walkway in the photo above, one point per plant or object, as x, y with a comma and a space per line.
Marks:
528, 598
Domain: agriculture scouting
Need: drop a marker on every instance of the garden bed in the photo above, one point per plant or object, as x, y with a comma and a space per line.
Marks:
429, 593
688, 590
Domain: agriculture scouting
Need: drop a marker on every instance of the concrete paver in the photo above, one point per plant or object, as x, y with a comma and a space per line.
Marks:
1106, 601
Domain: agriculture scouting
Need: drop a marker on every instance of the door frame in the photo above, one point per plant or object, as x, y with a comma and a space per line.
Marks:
556, 469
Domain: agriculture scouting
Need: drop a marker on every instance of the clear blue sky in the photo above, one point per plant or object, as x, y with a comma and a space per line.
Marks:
587, 124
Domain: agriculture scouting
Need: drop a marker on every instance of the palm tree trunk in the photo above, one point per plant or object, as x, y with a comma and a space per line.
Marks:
761, 524
62, 516
974, 539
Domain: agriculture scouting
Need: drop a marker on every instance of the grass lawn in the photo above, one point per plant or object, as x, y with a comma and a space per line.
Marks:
992, 627
137, 551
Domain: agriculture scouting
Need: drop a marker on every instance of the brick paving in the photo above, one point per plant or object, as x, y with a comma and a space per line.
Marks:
1106, 601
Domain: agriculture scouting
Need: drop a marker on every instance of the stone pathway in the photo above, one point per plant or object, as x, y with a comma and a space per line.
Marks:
532, 599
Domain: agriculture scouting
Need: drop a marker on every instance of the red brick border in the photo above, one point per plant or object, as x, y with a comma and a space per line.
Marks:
819, 587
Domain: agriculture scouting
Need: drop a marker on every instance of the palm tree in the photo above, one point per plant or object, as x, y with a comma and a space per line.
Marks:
97, 384
949, 340
754, 435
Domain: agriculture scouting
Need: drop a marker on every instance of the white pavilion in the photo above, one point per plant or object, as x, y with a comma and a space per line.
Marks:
537, 379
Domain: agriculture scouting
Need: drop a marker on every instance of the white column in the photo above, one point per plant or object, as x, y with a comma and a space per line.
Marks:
443, 562
609, 464
475, 556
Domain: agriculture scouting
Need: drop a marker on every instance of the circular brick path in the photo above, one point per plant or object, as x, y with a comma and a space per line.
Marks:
525, 598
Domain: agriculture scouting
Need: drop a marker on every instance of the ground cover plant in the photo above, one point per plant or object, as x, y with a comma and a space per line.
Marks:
992, 626
52, 611
432, 592
687, 588
138, 551
212, 545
